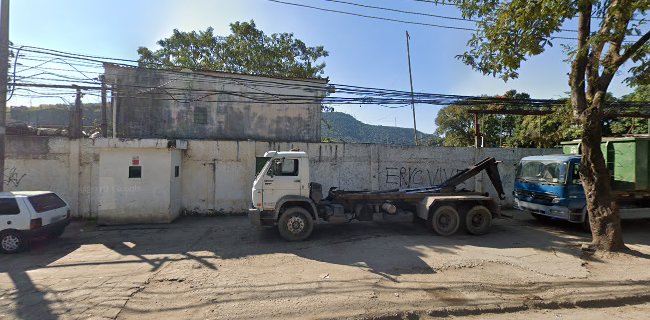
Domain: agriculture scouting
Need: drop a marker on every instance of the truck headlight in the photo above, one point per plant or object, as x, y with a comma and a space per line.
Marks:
556, 200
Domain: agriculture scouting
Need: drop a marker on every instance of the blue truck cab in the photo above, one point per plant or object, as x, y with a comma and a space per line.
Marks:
549, 186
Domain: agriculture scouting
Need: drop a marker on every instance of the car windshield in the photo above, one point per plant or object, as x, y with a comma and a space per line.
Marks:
545, 171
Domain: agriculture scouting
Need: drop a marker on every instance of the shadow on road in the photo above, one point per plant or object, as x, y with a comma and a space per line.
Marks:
386, 249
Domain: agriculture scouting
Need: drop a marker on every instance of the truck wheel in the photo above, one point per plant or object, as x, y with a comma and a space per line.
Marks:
445, 220
295, 224
12, 241
478, 220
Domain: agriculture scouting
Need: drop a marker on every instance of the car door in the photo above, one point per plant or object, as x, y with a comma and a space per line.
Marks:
282, 178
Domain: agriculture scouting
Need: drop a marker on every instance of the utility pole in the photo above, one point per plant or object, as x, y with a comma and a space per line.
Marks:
104, 113
408, 51
4, 61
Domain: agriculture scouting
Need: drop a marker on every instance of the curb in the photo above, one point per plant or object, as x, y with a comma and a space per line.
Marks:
614, 301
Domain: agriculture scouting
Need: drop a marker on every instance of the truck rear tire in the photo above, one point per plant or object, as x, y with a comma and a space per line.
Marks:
478, 220
295, 224
445, 220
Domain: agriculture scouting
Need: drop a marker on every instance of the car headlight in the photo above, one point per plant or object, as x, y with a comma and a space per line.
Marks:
556, 200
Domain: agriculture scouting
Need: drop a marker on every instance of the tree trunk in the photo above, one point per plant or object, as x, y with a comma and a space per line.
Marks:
602, 210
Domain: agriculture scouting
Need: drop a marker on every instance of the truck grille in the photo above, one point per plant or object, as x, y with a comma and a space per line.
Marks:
541, 197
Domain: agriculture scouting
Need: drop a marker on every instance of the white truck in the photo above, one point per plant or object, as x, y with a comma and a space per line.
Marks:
284, 197
27, 214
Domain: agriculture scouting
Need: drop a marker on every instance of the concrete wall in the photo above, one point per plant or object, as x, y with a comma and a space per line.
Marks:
221, 172
186, 105
216, 176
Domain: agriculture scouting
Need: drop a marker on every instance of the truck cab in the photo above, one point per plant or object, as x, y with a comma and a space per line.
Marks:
284, 178
549, 186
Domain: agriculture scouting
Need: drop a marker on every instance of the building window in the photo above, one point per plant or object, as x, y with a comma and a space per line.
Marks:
177, 171
135, 172
200, 115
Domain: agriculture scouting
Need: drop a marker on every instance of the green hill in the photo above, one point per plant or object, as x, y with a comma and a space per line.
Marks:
336, 127
342, 127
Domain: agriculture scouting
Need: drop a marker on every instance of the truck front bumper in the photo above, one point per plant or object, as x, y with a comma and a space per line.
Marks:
261, 218
556, 212
254, 217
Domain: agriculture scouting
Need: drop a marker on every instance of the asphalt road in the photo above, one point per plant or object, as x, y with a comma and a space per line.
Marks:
223, 268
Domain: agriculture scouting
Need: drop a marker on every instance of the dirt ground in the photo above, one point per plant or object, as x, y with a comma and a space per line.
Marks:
223, 268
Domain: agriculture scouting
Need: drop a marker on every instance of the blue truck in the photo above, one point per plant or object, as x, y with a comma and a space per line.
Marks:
550, 186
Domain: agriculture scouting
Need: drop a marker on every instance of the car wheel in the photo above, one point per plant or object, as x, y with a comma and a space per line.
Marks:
12, 241
295, 224
478, 220
445, 220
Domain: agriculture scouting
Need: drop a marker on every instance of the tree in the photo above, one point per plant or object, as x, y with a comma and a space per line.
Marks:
545, 131
511, 31
632, 125
457, 125
247, 50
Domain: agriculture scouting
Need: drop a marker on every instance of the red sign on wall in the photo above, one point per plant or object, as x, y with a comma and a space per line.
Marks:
135, 161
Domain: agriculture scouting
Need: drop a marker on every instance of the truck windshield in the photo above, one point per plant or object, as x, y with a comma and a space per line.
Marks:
543, 171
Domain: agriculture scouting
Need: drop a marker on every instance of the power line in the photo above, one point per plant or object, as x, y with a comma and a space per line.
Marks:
437, 2
373, 17
403, 21
352, 94
417, 13
401, 11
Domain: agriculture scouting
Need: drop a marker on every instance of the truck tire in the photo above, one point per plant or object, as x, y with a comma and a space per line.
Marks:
12, 241
478, 220
295, 224
445, 220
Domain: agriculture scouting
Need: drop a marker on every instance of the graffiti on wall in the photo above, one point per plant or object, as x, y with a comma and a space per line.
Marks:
411, 177
12, 177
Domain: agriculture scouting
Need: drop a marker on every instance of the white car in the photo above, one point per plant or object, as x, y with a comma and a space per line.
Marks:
26, 214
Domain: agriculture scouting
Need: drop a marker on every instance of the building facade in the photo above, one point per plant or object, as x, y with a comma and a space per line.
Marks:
152, 103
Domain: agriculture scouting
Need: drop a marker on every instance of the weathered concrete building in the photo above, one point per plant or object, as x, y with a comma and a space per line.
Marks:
152, 103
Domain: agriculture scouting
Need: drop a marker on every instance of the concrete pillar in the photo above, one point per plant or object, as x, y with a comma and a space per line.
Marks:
74, 173
374, 167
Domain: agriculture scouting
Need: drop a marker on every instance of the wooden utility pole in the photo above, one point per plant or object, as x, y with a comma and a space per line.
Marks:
408, 51
4, 61
478, 143
76, 123
104, 107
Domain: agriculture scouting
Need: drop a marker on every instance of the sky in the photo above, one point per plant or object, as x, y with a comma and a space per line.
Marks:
363, 52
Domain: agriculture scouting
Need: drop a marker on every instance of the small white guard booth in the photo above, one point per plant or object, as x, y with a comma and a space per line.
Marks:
139, 180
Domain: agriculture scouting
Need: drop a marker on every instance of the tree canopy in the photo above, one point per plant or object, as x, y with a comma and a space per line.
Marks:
246, 50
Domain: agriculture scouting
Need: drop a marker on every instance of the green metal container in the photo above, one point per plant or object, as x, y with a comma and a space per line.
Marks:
628, 159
